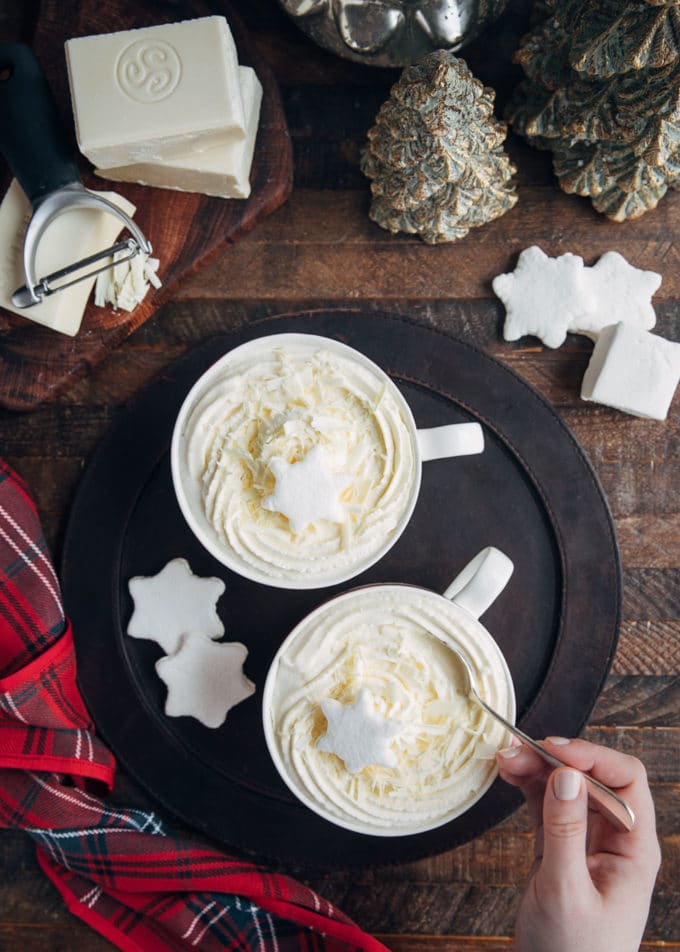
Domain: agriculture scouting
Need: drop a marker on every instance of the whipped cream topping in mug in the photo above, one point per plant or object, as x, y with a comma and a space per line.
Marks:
391, 641
276, 402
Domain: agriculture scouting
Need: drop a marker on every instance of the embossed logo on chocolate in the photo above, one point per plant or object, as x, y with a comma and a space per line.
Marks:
148, 70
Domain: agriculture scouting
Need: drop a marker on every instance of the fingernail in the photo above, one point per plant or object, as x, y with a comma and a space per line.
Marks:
508, 752
567, 784
558, 741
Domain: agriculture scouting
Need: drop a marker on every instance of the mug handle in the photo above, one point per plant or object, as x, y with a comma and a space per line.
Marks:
482, 580
454, 439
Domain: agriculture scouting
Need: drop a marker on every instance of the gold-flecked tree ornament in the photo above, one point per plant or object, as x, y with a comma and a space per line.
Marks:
435, 154
602, 92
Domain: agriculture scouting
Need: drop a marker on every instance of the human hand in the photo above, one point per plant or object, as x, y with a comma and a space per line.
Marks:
590, 886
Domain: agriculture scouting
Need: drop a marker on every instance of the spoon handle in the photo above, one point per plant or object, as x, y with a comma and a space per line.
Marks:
600, 797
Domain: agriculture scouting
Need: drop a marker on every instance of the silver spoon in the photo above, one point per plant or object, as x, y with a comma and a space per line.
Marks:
602, 799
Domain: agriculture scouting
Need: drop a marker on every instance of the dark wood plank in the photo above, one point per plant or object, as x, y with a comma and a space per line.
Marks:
299, 249
450, 909
648, 647
52, 937
656, 747
639, 700
648, 541
63, 938
651, 594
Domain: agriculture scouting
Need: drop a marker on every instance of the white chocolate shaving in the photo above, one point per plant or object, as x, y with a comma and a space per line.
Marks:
125, 284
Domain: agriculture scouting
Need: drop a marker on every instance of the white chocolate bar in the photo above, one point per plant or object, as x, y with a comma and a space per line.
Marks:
222, 171
155, 92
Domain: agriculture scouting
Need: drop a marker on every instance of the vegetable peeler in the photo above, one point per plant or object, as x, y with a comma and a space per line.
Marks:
39, 156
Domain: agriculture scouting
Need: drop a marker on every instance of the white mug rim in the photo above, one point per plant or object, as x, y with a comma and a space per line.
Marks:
269, 733
207, 536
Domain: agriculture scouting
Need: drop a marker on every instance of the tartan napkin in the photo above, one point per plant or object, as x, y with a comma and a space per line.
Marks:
120, 870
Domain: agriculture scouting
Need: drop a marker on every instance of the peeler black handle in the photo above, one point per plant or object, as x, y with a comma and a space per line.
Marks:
32, 139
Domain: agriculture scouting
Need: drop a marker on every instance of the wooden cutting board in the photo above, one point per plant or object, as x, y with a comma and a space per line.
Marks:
186, 230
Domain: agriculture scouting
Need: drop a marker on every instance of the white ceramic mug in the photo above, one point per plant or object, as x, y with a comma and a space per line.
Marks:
267, 552
390, 641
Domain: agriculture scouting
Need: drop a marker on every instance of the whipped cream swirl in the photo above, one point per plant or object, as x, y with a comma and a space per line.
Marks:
277, 404
392, 641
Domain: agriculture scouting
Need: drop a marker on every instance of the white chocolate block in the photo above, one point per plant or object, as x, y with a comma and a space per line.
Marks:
633, 371
75, 234
223, 171
155, 92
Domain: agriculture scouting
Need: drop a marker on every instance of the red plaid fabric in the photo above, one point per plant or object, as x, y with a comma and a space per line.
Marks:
118, 869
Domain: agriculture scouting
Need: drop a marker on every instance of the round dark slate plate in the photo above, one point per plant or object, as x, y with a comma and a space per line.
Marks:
532, 493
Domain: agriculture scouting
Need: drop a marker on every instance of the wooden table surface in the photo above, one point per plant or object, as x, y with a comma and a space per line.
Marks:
321, 250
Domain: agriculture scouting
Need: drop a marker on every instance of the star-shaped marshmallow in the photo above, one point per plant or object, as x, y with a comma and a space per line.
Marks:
543, 296
205, 679
307, 490
549, 297
358, 733
621, 293
172, 603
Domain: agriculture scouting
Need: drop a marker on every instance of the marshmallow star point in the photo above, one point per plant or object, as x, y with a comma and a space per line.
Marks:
173, 602
205, 679
307, 491
621, 293
542, 296
358, 734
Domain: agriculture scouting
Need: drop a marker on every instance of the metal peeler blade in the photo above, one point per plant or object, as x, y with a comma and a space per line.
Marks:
23, 296
40, 157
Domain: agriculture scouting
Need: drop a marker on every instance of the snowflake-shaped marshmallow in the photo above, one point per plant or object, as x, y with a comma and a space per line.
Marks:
549, 297
359, 734
543, 296
172, 603
205, 679
621, 293
307, 490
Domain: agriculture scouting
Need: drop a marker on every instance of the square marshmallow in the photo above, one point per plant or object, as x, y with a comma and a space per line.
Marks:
156, 92
633, 371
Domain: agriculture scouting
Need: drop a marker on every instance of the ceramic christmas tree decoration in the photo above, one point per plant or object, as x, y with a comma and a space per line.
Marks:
602, 92
435, 154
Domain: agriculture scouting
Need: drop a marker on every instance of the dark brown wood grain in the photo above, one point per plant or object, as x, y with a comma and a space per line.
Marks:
311, 255
319, 250
186, 230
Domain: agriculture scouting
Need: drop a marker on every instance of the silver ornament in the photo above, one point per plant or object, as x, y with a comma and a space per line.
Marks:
392, 32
